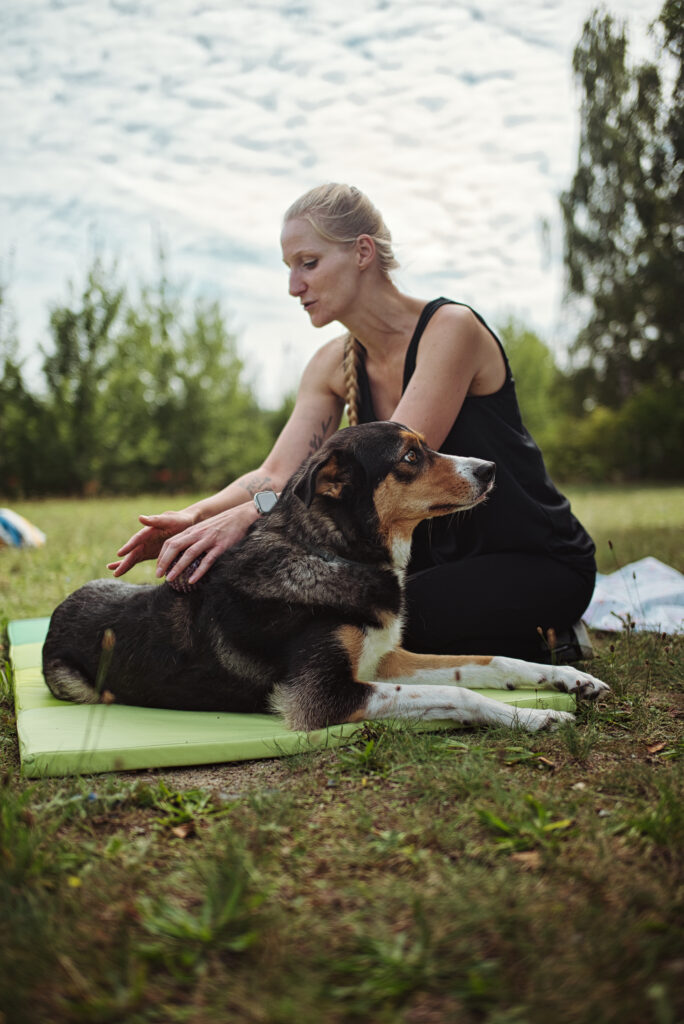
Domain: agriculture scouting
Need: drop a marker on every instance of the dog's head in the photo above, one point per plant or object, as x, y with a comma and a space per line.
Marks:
387, 476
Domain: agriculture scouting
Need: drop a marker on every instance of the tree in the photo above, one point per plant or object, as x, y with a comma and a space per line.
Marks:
624, 211
139, 395
538, 381
23, 425
75, 372
179, 412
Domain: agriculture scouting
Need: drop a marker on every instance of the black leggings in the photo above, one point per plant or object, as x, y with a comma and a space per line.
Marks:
493, 604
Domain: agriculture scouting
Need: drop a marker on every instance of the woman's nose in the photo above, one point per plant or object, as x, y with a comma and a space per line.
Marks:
297, 285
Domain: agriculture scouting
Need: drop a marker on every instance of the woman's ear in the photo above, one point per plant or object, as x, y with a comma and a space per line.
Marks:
365, 251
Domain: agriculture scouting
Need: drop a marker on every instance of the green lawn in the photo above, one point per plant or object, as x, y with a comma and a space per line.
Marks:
637, 521
468, 876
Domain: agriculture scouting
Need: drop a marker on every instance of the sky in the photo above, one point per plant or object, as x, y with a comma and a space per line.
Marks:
193, 124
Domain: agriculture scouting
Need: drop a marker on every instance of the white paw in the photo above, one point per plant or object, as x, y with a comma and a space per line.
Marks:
537, 719
584, 685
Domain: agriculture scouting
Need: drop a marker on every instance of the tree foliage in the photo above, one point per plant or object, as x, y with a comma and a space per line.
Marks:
624, 210
144, 395
639, 440
539, 383
75, 373
21, 415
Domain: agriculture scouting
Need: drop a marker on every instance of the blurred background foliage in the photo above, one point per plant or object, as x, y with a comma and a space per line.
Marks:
150, 394
136, 395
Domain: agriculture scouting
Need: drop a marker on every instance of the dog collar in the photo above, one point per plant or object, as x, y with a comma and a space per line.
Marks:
327, 556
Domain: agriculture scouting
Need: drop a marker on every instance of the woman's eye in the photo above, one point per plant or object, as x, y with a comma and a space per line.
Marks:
309, 264
411, 456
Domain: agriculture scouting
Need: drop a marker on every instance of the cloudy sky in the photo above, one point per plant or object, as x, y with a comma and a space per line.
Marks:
197, 122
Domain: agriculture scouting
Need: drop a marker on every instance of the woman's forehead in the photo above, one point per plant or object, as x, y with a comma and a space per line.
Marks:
300, 236
298, 233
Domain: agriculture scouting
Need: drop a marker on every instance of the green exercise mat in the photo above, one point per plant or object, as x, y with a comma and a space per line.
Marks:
59, 738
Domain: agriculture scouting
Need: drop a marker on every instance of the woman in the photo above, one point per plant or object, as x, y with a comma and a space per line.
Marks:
503, 580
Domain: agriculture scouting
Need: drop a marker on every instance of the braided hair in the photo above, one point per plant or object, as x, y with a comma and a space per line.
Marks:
351, 378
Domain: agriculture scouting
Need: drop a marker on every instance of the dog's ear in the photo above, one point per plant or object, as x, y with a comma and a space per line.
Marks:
328, 476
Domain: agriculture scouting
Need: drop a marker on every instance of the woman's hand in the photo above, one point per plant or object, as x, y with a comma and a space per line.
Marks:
147, 543
207, 539
172, 535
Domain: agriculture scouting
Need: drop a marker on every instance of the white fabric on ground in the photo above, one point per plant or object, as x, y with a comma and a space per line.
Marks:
647, 594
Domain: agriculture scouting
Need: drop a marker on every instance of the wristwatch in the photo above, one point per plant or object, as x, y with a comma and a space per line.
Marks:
265, 501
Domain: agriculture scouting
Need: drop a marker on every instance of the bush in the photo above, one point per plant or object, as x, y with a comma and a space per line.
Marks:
643, 439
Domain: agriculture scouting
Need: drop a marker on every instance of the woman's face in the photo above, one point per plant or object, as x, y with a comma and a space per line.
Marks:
324, 275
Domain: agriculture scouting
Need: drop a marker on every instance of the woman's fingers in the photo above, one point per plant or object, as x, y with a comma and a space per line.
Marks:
203, 565
178, 552
147, 542
207, 540
175, 542
174, 557
133, 542
126, 563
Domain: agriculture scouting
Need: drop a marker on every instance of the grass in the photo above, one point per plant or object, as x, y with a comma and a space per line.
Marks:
636, 520
473, 875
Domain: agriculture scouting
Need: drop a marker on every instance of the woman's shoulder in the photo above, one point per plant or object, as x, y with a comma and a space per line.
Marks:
449, 322
329, 355
458, 341
457, 314
326, 366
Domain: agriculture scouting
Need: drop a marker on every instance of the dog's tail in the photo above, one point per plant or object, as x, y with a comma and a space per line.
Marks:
69, 683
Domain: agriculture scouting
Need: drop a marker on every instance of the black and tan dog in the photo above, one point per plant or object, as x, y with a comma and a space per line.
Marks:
304, 616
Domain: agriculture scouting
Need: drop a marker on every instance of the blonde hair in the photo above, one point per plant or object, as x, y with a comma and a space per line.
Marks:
350, 365
340, 213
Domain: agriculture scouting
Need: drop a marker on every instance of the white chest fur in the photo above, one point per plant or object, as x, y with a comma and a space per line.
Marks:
376, 644
401, 552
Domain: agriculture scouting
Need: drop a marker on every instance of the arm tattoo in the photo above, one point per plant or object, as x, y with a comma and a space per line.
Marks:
318, 439
255, 484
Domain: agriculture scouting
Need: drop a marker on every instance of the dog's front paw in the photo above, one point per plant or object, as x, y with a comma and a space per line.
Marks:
534, 720
582, 684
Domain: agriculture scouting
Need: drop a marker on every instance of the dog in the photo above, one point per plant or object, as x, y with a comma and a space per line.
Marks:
303, 617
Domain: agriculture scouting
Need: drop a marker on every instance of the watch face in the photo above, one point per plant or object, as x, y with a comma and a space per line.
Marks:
265, 500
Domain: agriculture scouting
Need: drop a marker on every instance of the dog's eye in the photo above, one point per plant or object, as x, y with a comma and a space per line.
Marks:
411, 456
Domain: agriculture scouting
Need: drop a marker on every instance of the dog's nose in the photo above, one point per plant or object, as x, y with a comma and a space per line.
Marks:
485, 473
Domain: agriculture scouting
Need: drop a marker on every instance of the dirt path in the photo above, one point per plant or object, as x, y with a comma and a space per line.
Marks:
227, 779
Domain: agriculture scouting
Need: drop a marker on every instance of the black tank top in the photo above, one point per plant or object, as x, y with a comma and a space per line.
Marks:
525, 513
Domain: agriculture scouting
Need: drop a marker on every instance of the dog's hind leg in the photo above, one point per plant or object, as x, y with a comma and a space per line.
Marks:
68, 683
